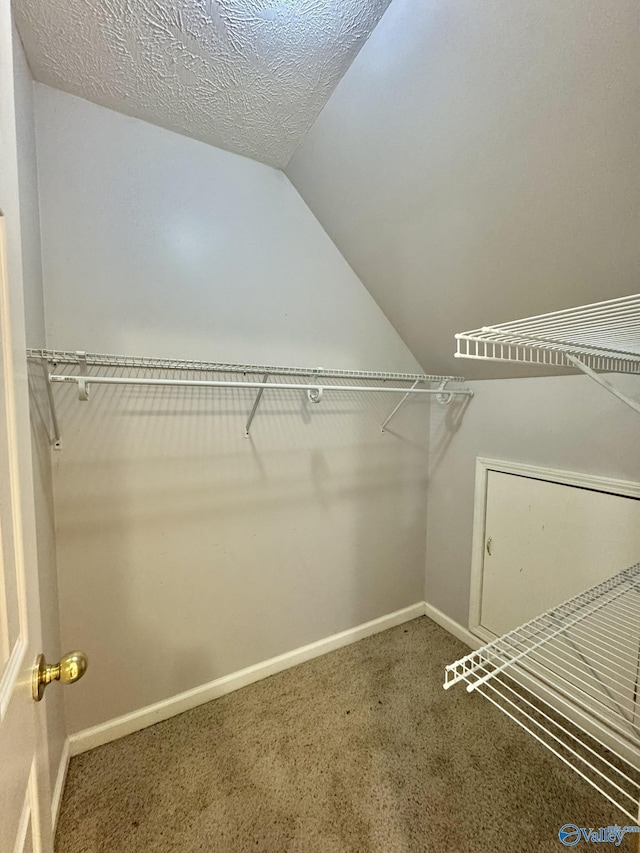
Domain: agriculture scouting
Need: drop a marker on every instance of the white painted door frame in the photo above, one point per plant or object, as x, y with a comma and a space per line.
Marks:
484, 465
25, 796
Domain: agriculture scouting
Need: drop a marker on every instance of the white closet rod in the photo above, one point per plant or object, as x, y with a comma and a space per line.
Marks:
315, 390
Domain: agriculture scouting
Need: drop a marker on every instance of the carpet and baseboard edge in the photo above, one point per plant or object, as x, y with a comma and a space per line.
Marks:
453, 627
141, 718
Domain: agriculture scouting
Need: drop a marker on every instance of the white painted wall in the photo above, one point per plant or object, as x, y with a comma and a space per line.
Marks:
185, 551
156, 244
52, 705
479, 162
563, 422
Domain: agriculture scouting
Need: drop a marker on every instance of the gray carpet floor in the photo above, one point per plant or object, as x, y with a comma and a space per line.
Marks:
360, 750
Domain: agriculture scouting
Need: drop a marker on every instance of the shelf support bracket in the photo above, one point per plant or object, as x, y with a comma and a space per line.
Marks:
83, 381
57, 440
608, 386
402, 400
256, 403
443, 396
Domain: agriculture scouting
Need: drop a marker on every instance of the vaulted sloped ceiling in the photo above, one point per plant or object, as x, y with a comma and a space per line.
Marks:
246, 75
480, 162
477, 162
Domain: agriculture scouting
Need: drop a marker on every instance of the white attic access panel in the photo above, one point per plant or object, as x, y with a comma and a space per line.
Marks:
544, 542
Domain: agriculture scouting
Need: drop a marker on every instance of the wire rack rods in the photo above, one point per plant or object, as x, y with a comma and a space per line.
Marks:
125, 361
605, 336
570, 678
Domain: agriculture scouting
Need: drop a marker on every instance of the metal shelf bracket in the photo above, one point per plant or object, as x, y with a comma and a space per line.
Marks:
604, 383
83, 382
398, 405
443, 397
57, 440
256, 403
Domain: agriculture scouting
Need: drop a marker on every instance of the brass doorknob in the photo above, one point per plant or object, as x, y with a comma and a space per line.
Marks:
69, 668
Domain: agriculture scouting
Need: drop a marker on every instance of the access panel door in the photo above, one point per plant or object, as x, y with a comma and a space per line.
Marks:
545, 542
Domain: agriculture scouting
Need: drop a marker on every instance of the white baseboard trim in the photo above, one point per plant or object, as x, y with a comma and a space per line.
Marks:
143, 717
452, 627
58, 790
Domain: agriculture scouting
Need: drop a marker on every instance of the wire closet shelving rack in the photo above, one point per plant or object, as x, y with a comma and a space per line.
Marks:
599, 338
571, 677
585, 651
86, 369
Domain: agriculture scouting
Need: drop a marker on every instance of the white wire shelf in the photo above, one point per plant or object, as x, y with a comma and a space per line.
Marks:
86, 369
56, 357
604, 336
570, 679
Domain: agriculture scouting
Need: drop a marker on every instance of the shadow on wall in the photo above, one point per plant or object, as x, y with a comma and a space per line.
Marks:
187, 552
446, 427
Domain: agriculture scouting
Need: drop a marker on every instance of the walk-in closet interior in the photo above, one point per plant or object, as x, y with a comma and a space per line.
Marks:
319, 419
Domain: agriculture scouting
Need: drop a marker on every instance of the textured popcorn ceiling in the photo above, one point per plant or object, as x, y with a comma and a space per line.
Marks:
247, 75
